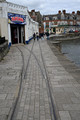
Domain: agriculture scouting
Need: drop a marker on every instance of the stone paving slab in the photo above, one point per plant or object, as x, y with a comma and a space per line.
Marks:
10, 72
34, 103
64, 82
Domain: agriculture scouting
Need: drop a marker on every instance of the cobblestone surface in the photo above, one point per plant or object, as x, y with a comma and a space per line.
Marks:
10, 70
64, 82
34, 102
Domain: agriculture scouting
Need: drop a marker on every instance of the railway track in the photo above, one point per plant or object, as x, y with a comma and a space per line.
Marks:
17, 102
42, 67
49, 90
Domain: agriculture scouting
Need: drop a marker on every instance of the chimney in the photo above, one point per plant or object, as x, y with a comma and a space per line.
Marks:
78, 12
59, 12
64, 11
73, 12
32, 10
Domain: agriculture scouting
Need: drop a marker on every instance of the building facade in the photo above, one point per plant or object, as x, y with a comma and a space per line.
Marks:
16, 24
61, 22
36, 16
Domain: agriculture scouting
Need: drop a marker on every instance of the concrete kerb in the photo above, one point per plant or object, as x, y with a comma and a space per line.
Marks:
67, 36
58, 54
69, 66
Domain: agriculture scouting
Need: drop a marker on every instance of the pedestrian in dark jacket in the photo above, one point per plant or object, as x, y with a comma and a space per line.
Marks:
47, 34
34, 36
42, 36
37, 35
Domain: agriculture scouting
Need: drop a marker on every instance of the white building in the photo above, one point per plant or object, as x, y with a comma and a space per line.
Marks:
15, 23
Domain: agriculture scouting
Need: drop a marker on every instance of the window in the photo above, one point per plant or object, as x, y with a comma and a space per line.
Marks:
33, 13
47, 18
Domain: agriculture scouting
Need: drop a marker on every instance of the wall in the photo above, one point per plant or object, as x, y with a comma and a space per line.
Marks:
31, 28
0, 29
3, 50
4, 28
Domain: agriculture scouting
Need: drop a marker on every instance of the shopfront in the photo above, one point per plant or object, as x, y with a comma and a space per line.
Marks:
17, 26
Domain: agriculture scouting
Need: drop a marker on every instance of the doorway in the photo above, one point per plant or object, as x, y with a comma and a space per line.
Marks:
54, 30
17, 34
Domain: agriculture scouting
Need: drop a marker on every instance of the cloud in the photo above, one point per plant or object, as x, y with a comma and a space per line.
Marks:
50, 6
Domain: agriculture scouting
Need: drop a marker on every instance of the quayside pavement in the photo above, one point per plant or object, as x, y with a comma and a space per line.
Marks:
35, 103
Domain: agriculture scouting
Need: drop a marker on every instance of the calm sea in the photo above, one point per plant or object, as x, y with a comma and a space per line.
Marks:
71, 49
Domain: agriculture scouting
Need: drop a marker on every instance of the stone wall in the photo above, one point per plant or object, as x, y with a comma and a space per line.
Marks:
3, 50
68, 36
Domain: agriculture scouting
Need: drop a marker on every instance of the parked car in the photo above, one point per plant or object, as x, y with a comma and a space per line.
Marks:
76, 31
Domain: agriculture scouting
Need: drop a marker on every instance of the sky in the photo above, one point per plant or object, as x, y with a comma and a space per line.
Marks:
49, 6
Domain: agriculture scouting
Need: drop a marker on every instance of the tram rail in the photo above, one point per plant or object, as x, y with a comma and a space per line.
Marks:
45, 77
49, 90
13, 112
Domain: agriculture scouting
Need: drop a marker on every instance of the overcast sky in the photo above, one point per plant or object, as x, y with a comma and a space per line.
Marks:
50, 6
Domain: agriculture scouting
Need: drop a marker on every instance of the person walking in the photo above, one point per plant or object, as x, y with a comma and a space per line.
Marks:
47, 34
42, 36
37, 35
34, 36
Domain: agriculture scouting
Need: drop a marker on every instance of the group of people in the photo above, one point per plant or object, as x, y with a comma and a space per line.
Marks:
40, 35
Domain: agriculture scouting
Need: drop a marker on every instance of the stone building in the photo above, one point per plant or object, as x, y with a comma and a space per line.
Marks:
16, 24
36, 16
